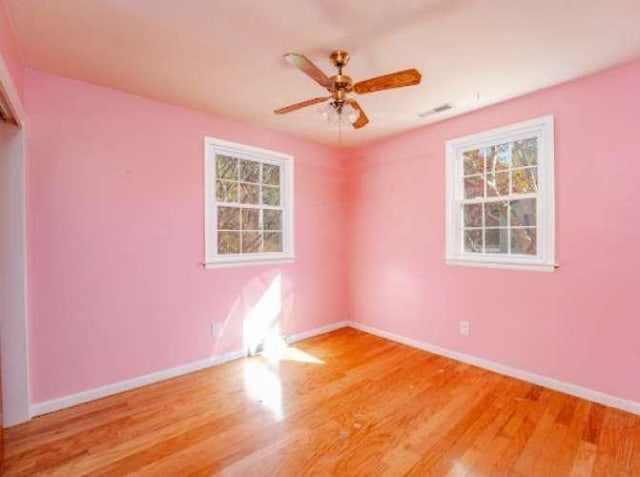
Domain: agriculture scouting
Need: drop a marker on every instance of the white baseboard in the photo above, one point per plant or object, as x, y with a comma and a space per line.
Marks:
115, 388
567, 388
317, 331
121, 386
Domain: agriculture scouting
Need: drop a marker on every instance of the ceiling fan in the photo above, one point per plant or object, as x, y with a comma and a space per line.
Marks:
341, 108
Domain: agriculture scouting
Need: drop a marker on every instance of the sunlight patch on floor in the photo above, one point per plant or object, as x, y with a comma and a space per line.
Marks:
276, 349
294, 354
263, 385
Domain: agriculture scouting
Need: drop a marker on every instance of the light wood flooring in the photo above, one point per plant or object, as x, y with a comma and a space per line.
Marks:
344, 403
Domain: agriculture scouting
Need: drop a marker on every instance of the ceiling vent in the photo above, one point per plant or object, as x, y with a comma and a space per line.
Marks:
436, 110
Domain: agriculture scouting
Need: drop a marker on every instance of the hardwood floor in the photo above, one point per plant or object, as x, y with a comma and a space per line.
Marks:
345, 403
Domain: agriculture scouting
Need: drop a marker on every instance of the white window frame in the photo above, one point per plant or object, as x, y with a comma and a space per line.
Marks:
543, 129
213, 147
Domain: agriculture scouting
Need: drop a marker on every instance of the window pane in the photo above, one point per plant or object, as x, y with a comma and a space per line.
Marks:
228, 218
497, 184
272, 219
523, 213
473, 162
496, 214
499, 157
473, 187
271, 195
250, 219
226, 167
472, 215
249, 171
249, 193
524, 180
496, 240
228, 242
272, 242
525, 152
523, 241
226, 191
270, 174
473, 241
251, 242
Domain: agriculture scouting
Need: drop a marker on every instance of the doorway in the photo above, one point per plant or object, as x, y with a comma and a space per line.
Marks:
14, 384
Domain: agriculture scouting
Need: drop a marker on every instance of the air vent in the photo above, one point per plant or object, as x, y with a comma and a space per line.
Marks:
436, 110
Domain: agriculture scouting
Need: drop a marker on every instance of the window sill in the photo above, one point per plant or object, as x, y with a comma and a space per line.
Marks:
536, 267
248, 263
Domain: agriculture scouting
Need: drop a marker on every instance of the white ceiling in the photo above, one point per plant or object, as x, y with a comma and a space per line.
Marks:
225, 56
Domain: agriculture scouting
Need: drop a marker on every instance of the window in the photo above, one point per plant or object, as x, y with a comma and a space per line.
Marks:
500, 208
248, 205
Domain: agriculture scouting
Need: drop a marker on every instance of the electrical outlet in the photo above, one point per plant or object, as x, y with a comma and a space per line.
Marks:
216, 329
464, 328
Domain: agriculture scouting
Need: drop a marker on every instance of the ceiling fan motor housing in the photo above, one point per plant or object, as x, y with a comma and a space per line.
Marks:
340, 86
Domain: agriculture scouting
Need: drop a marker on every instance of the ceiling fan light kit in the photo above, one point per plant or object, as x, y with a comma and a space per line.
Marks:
335, 115
339, 108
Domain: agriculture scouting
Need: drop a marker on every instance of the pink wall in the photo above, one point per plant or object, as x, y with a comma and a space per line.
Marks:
116, 236
115, 220
581, 324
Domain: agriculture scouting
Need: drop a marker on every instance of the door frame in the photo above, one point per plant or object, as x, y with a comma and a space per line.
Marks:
14, 327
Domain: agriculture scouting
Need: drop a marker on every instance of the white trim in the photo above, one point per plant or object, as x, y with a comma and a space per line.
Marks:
304, 335
542, 267
213, 146
543, 129
14, 336
489, 137
121, 386
254, 263
256, 151
567, 388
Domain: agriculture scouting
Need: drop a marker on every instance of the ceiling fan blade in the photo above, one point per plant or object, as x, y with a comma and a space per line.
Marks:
393, 80
302, 104
306, 66
362, 120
